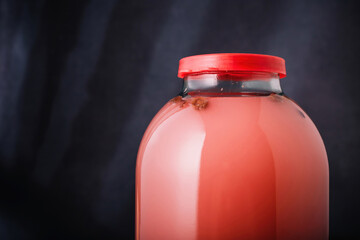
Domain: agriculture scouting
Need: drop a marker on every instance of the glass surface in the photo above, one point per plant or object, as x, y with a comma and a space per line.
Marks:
231, 84
235, 167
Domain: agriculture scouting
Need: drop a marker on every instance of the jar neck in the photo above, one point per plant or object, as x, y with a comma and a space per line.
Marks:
231, 84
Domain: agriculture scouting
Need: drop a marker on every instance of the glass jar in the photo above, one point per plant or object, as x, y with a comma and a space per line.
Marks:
232, 157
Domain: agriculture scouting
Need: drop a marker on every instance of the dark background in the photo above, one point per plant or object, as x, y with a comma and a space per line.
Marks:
80, 80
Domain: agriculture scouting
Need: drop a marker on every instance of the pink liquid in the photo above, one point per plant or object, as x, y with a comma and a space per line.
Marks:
250, 167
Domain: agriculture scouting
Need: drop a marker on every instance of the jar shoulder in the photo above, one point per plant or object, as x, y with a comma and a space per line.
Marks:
275, 118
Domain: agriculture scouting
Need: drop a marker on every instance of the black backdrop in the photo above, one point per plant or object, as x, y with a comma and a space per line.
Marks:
80, 80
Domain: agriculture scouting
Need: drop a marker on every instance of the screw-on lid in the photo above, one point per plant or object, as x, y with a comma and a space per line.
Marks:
231, 62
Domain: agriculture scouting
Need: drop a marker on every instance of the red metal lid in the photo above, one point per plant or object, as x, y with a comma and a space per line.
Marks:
231, 62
